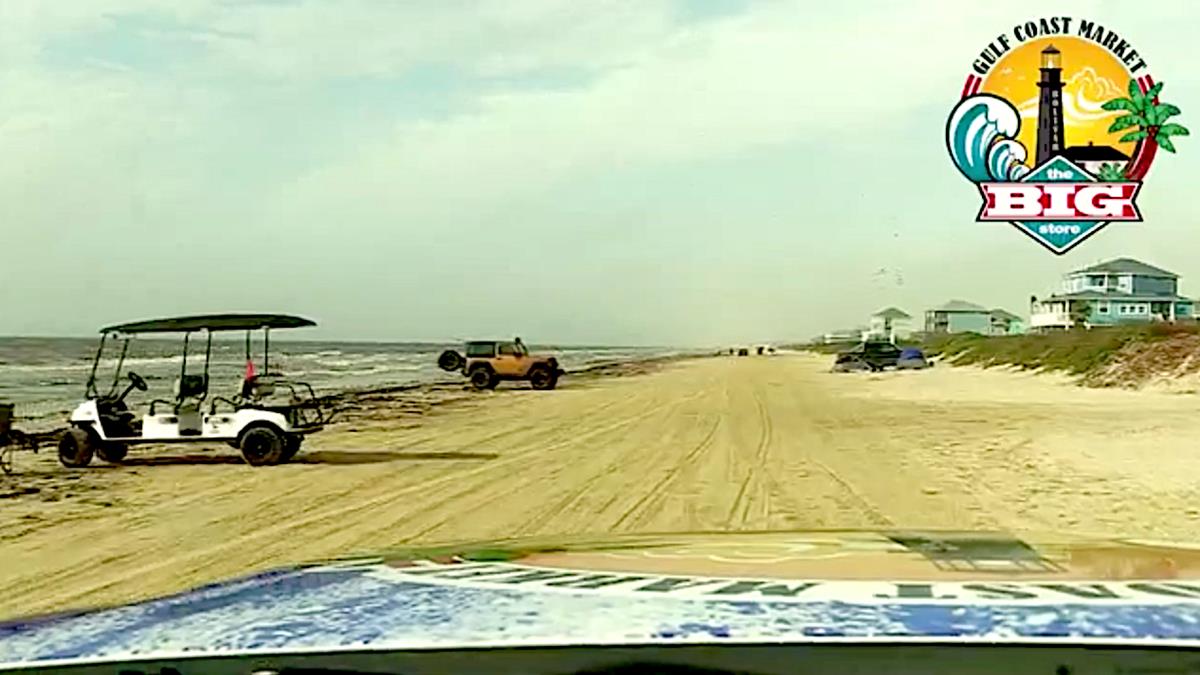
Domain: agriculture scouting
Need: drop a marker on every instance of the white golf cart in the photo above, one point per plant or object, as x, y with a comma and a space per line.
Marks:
266, 429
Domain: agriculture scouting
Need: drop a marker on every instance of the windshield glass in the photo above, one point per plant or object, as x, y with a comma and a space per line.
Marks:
764, 267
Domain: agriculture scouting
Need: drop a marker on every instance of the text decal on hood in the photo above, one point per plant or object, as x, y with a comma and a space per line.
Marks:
505, 575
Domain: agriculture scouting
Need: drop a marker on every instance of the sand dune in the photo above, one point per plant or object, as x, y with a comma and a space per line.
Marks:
709, 444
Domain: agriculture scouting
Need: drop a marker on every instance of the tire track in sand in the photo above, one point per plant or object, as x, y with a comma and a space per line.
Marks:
758, 468
638, 512
578, 438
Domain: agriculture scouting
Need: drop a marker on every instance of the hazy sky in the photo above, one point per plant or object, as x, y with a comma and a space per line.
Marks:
589, 172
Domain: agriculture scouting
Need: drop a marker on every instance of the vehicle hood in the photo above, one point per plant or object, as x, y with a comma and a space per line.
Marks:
770, 587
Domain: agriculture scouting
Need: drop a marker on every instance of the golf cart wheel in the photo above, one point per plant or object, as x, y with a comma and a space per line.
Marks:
483, 378
291, 445
542, 378
75, 448
450, 361
112, 453
262, 446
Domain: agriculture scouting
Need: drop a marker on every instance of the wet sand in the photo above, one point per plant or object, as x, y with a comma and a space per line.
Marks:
723, 443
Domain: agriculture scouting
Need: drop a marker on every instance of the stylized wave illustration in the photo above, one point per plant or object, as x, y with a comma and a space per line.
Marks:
1083, 95
981, 137
1006, 160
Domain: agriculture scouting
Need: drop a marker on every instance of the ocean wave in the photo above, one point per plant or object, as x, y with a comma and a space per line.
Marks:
981, 137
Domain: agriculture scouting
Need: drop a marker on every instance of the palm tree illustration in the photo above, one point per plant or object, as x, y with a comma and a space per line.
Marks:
1150, 118
1112, 172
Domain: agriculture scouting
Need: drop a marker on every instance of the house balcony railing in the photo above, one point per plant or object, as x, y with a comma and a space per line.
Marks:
1049, 319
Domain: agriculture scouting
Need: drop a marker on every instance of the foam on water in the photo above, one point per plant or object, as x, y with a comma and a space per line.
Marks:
45, 377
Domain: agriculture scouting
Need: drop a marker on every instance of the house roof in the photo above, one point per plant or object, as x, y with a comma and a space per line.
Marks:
1116, 295
1094, 153
1005, 314
1127, 266
892, 313
960, 306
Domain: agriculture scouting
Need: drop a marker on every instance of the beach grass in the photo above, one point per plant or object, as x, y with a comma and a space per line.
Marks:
1075, 352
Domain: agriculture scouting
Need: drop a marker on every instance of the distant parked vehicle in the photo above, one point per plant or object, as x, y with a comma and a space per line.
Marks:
850, 363
743, 352
912, 358
874, 355
761, 350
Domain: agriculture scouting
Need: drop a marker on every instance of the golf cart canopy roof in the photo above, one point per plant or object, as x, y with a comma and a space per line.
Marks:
210, 322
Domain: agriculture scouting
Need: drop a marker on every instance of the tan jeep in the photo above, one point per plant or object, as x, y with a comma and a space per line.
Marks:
487, 362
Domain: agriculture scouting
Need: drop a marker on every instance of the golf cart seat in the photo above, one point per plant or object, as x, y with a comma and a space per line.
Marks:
118, 420
190, 422
260, 386
190, 386
190, 390
250, 391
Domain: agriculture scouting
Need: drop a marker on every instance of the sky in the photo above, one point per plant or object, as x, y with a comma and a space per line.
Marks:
622, 172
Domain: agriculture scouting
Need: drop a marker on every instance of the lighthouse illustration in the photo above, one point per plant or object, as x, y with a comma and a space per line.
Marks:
1050, 112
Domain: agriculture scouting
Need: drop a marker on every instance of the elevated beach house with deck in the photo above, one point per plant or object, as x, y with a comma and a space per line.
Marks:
1118, 291
890, 323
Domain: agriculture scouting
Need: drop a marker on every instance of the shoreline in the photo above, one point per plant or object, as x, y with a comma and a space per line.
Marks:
443, 393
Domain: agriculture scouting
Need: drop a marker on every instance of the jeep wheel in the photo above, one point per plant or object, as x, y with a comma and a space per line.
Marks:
542, 378
483, 378
262, 446
112, 453
291, 446
450, 361
75, 448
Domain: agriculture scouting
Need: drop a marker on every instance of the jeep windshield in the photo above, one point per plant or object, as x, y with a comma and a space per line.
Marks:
598, 329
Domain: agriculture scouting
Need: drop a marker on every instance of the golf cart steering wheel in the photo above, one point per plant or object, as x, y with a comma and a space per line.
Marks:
137, 382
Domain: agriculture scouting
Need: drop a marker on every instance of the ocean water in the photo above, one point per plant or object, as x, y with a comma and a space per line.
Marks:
46, 377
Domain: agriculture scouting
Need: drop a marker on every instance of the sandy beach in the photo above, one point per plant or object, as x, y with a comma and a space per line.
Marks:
726, 443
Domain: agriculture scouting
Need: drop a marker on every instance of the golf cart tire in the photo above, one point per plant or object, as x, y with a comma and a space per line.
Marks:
75, 447
542, 378
450, 361
483, 378
262, 445
113, 453
291, 445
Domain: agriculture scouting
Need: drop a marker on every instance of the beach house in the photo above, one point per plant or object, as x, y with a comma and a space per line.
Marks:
1118, 291
960, 316
1093, 158
1006, 323
889, 323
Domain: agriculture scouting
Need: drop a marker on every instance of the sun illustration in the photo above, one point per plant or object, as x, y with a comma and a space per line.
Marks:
1091, 76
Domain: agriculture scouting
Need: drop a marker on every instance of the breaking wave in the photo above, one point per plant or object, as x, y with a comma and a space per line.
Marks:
981, 138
